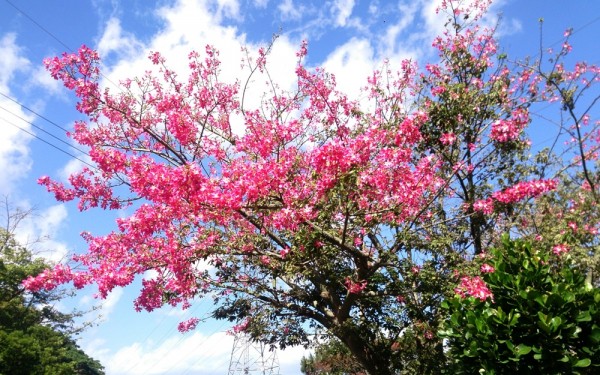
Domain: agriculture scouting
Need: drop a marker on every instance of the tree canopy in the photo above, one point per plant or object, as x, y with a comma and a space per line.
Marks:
35, 338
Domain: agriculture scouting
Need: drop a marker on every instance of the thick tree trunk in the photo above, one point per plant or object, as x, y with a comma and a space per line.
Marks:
373, 361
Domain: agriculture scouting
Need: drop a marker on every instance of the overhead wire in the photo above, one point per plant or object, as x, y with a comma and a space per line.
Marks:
46, 142
32, 111
39, 25
43, 130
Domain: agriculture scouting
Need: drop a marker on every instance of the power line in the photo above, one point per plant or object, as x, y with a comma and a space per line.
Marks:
39, 25
43, 130
32, 111
46, 142
53, 36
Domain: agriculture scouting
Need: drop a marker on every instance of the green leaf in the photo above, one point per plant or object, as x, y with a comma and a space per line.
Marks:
555, 323
522, 349
514, 319
541, 299
584, 316
595, 335
583, 362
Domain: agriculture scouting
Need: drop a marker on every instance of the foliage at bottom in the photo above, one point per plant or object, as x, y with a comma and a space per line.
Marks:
544, 317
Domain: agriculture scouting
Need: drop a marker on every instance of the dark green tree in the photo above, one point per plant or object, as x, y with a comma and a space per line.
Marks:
35, 338
331, 358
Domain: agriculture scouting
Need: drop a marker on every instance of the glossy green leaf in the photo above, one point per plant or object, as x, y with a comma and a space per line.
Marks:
583, 363
522, 349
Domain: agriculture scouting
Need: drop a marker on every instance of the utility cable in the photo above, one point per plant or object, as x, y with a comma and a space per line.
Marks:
43, 130
32, 111
46, 142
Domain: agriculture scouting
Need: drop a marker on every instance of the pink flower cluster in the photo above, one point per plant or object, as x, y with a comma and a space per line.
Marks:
473, 286
486, 268
448, 138
560, 249
188, 325
505, 130
516, 193
355, 287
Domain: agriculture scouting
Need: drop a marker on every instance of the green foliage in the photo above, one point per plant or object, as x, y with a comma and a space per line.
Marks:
34, 337
331, 358
545, 317
568, 216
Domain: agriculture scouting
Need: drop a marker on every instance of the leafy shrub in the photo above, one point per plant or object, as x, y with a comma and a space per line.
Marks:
544, 317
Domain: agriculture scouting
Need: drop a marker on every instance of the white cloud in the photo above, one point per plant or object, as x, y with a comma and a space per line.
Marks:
99, 310
342, 10
435, 21
38, 232
192, 353
41, 78
12, 60
74, 166
260, 3
289, 11
228, 8
373, 7
110, 302
195, 353
115, 40
352, 63
15, 160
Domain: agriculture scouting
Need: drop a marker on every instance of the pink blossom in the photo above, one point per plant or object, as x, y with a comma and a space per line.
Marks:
473, 286
448, 138
264, 259
188, 325
486, 268
518, 192
485, 206
560, 249
241, 327
355, 287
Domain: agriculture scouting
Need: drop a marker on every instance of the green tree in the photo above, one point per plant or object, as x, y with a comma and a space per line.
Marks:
331, 358
35, 338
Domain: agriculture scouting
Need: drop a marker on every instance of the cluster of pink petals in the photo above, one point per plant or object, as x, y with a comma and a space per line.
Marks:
486, 268
475, 287
241, 327
355, 287
448, 138
560, 249
505, 130
188, 325
516, 193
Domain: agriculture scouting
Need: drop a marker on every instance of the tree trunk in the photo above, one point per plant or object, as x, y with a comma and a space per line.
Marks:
374, 361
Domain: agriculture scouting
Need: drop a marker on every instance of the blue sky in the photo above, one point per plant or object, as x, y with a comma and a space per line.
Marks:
349, 37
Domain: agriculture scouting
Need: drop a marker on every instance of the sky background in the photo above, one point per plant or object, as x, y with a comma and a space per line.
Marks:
349, 38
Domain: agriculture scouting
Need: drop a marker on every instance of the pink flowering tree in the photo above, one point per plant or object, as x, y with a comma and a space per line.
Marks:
319, 212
